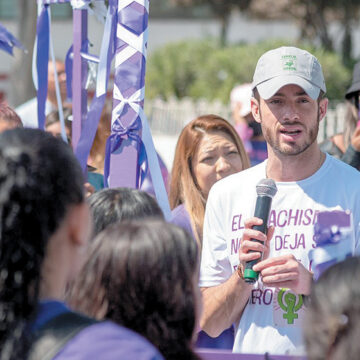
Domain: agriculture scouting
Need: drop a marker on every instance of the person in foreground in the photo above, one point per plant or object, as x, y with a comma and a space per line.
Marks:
45, 225
144, 275
289, 103
332, 327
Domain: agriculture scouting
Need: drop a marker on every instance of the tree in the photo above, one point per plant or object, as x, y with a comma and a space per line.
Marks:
314, 19
221, 9
21, 86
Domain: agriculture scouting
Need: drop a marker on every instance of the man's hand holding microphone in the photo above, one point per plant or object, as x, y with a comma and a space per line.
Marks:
284, 271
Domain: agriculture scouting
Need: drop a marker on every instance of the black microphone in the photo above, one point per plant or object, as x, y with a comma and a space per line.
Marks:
266, 190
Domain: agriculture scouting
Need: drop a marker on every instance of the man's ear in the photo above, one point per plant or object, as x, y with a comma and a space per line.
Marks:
80, 224
255, 109
323, 105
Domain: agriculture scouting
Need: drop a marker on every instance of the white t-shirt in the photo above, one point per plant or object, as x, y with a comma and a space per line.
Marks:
271, 321
28, 112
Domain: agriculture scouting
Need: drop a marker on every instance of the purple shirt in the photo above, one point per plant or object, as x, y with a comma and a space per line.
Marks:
103, 340
108, 341
181, 218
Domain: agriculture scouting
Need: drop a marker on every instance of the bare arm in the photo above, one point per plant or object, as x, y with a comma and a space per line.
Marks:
223, 304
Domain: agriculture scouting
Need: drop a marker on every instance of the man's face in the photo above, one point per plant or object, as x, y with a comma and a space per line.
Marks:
60, 69
289, 119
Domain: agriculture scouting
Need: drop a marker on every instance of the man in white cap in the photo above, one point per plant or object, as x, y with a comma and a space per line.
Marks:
289, 102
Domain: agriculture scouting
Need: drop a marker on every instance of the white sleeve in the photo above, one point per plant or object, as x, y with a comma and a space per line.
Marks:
215, 266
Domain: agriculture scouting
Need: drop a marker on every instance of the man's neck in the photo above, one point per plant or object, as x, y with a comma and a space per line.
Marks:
294, 168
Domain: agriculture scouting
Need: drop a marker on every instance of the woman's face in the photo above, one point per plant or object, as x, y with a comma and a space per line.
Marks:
216, 158
55, 130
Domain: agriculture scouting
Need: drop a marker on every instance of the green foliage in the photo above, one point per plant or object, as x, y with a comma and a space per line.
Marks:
201, 69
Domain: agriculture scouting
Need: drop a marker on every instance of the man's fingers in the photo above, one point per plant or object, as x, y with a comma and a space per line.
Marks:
279, 278
248, 245
287, 267
250, 256
254, 234
249, 223
272, 262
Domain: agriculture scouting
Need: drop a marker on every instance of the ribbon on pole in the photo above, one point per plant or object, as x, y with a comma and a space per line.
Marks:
88, 131
42, 58
123, 158
9, 41
43, 45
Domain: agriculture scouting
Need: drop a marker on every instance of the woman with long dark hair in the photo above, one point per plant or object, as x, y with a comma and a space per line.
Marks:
144, 275
45, 225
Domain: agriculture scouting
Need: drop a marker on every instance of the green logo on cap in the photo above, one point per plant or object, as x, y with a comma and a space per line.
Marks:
289, 62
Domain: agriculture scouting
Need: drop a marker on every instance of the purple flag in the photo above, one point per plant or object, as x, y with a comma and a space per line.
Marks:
9, 41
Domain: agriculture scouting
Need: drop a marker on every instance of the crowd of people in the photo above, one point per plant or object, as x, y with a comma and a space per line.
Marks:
94, 273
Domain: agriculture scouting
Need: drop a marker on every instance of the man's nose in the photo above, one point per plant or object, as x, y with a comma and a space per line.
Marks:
291, 112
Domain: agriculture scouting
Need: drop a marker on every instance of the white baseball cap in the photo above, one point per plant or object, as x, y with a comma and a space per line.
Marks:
288, 65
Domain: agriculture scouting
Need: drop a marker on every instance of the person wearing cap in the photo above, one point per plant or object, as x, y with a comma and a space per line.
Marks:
248, 129
346, 145
289, 102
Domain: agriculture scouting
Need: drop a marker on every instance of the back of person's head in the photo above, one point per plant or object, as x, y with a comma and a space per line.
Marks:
332, 328
39, 179
112, 205
9, 119
143, 275
54, 117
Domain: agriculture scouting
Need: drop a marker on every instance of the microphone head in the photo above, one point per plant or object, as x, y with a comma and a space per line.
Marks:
266, 187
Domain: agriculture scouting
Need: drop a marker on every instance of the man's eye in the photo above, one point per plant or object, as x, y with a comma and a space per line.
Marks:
275, 101
304, 101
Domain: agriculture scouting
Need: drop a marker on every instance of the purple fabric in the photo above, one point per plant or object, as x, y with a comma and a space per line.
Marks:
129, 78
181, 218
115, 142
68, 70
147, 184
228, 355
105, 340
88, 132
258, 152
224, 341
79, 76
43, 38
8, 41
108, 341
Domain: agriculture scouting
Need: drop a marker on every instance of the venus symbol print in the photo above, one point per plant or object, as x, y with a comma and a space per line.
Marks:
288, 308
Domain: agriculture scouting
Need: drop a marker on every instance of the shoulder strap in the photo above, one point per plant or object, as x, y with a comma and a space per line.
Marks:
54, 335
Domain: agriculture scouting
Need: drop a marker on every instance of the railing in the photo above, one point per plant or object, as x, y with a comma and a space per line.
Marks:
169, 117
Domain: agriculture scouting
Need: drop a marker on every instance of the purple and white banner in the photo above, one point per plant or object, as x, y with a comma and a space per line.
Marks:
130, 137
